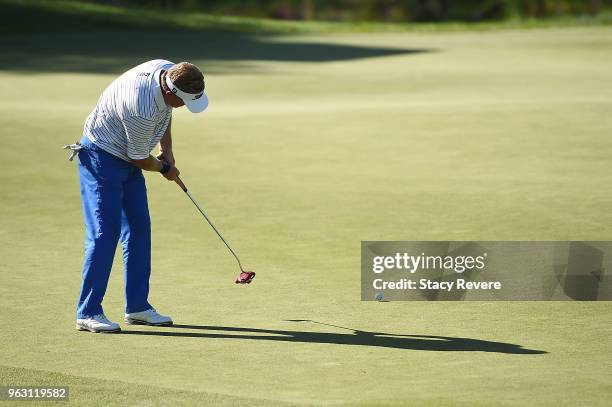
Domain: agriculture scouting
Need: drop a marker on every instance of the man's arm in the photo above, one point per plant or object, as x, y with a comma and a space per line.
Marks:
137, 130
165, 146
153, 164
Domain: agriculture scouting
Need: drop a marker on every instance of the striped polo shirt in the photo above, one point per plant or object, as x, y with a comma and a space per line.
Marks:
131, 115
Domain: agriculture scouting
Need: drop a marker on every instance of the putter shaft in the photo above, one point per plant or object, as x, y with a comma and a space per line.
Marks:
184, 188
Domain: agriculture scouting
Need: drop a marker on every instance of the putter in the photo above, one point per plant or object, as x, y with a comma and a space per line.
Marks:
245, 276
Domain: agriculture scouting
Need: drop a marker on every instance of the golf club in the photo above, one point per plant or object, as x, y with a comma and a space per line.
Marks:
245, 277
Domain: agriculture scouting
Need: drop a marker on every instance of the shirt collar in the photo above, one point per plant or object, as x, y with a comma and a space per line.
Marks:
157, 91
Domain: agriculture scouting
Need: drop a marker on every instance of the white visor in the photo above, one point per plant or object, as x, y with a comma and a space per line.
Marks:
195, 102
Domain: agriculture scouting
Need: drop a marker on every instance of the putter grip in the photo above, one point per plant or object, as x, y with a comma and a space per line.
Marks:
180, 184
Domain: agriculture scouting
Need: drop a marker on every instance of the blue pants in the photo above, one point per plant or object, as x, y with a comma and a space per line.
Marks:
115, 208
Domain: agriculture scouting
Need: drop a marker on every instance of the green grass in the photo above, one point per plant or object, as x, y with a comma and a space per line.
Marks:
497, 135
26, 16
96, 391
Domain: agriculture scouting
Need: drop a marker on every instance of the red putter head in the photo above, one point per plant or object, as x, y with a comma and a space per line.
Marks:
245, 277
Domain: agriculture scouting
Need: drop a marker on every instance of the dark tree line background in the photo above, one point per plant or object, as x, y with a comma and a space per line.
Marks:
382, 10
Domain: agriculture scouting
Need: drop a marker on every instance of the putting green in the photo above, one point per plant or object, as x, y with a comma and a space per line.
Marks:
311, 144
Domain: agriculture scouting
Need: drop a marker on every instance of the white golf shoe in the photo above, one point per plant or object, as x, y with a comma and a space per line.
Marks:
97, 323
148, 317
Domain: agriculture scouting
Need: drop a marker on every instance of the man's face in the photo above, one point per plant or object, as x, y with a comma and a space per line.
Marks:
173, 100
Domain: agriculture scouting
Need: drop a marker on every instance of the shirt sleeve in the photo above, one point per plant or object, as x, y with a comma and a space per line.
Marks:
139, 133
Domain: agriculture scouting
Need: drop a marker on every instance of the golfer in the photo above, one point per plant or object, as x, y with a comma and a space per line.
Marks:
133, 115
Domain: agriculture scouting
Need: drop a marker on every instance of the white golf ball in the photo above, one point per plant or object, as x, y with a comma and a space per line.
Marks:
378, 297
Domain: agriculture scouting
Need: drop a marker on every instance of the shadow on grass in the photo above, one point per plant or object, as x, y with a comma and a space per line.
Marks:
360, 338
116, 52
41, 36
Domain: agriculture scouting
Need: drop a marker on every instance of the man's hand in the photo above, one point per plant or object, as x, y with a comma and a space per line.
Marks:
166, 156
153, 164
172, 173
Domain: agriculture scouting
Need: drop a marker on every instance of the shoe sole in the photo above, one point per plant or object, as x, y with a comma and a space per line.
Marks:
140, 322
97, 331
